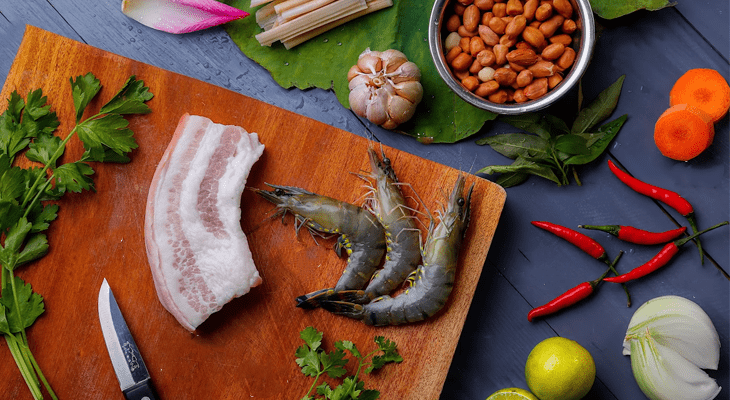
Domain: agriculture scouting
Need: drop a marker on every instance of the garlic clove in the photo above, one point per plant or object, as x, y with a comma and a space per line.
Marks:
359, 98
353, 72
663, 374
358, 80
410, 90
399, 109
370, 63
392, 59
377, 107
407, 72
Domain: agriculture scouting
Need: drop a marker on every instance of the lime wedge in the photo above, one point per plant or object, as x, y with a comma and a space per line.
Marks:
512, 394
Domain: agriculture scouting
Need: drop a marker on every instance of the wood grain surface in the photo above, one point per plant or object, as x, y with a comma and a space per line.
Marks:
247, 349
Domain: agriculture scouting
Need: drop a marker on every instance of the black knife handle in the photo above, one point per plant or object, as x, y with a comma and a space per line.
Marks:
140, 391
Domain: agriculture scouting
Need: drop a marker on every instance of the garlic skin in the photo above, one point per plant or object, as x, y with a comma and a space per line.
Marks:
670, 340
384, 87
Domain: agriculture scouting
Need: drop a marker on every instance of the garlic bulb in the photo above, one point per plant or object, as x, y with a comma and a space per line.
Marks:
384, 87
670, 339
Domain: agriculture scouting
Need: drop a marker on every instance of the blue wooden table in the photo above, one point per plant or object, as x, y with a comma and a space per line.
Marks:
526, 267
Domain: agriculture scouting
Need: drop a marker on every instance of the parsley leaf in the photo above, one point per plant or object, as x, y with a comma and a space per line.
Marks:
21, 314
130, 99
74, 177
111, 131
83, 90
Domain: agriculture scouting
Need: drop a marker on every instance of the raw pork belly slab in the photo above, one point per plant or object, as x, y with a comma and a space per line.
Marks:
197, 252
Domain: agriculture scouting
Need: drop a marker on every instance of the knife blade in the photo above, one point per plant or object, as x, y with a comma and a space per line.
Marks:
134, 379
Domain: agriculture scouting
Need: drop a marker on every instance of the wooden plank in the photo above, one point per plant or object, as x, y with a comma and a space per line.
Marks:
246, 349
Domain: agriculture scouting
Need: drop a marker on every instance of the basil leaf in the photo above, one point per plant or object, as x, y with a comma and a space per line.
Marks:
514, 144
533, 123
524, 166
599, 109
572, 144
510, 179
606, 134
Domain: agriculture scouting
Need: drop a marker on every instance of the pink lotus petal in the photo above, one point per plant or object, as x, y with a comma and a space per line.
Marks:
180, 16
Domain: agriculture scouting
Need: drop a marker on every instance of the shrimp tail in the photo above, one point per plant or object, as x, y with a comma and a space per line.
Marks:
317, 298
345, 308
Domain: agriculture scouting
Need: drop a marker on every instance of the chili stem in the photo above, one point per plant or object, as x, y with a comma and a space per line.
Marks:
613, 269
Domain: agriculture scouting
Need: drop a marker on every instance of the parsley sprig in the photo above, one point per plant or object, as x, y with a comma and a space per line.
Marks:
25, 211
316, 362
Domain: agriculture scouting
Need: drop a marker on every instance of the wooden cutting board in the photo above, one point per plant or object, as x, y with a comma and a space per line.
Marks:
247, 349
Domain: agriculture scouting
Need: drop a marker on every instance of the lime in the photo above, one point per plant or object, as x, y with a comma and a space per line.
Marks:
512, 394
560, 369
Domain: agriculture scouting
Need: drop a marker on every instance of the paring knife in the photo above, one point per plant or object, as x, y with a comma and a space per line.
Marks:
127, 361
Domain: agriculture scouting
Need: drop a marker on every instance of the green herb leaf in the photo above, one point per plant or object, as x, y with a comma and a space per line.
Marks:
333, 363
517, 144
531, 122
74, 177
509, 179
13, 241
110, 131
600, 142
610, 9
523, 165
35, 247
83, 90
28, 308
130, 99
43, 149
349, 346
390, 354
600, 109
312, 337
572, 144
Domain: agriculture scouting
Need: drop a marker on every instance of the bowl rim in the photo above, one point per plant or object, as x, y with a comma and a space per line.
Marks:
583, 56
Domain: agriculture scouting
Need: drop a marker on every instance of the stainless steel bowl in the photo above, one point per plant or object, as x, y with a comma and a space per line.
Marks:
583, 48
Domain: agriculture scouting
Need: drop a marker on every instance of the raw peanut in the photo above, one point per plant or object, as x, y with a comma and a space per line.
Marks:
453, 23
461, 62
471, 18
567, 59
486, 58
464, 44
554, 80
528, 10
544, 12
476, 44
519, 96
465, 2
497, 25
569, 26
507, 41
536, 89
500, 10
486, 74
505, 76
486, 17
515, 67
484, 5
514, 7
499, 97
524, 45
563, 8
510, 92
451, 55
475, 67
451, 41
488, 36
535, 24
553, 51
508, 19
524, 78
487, 88
461, 74
500, 53
565, 39
465, 33
459, 9
516, 27
542, 69
549, 27
470, 83
523, 57
533, 36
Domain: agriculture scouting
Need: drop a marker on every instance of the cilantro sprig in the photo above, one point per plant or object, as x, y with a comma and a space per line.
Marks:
316, 362
25, 212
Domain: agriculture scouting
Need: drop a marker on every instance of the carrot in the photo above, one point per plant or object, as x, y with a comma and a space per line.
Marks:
703, 88
682, 132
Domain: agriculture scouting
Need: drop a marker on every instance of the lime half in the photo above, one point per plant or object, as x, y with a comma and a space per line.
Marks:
512, 394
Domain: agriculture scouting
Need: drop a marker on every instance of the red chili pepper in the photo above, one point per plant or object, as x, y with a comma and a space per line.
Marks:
583, 242
636, 235
570, 297
668, 197
661, 259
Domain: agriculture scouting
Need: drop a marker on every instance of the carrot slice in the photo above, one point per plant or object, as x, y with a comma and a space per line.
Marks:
682, 132
703, 88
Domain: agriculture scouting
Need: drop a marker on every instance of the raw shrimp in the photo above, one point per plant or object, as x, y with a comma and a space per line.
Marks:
431, 282
360, 233
402, 237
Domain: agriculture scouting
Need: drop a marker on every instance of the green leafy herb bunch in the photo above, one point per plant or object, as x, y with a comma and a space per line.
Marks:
28, 195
